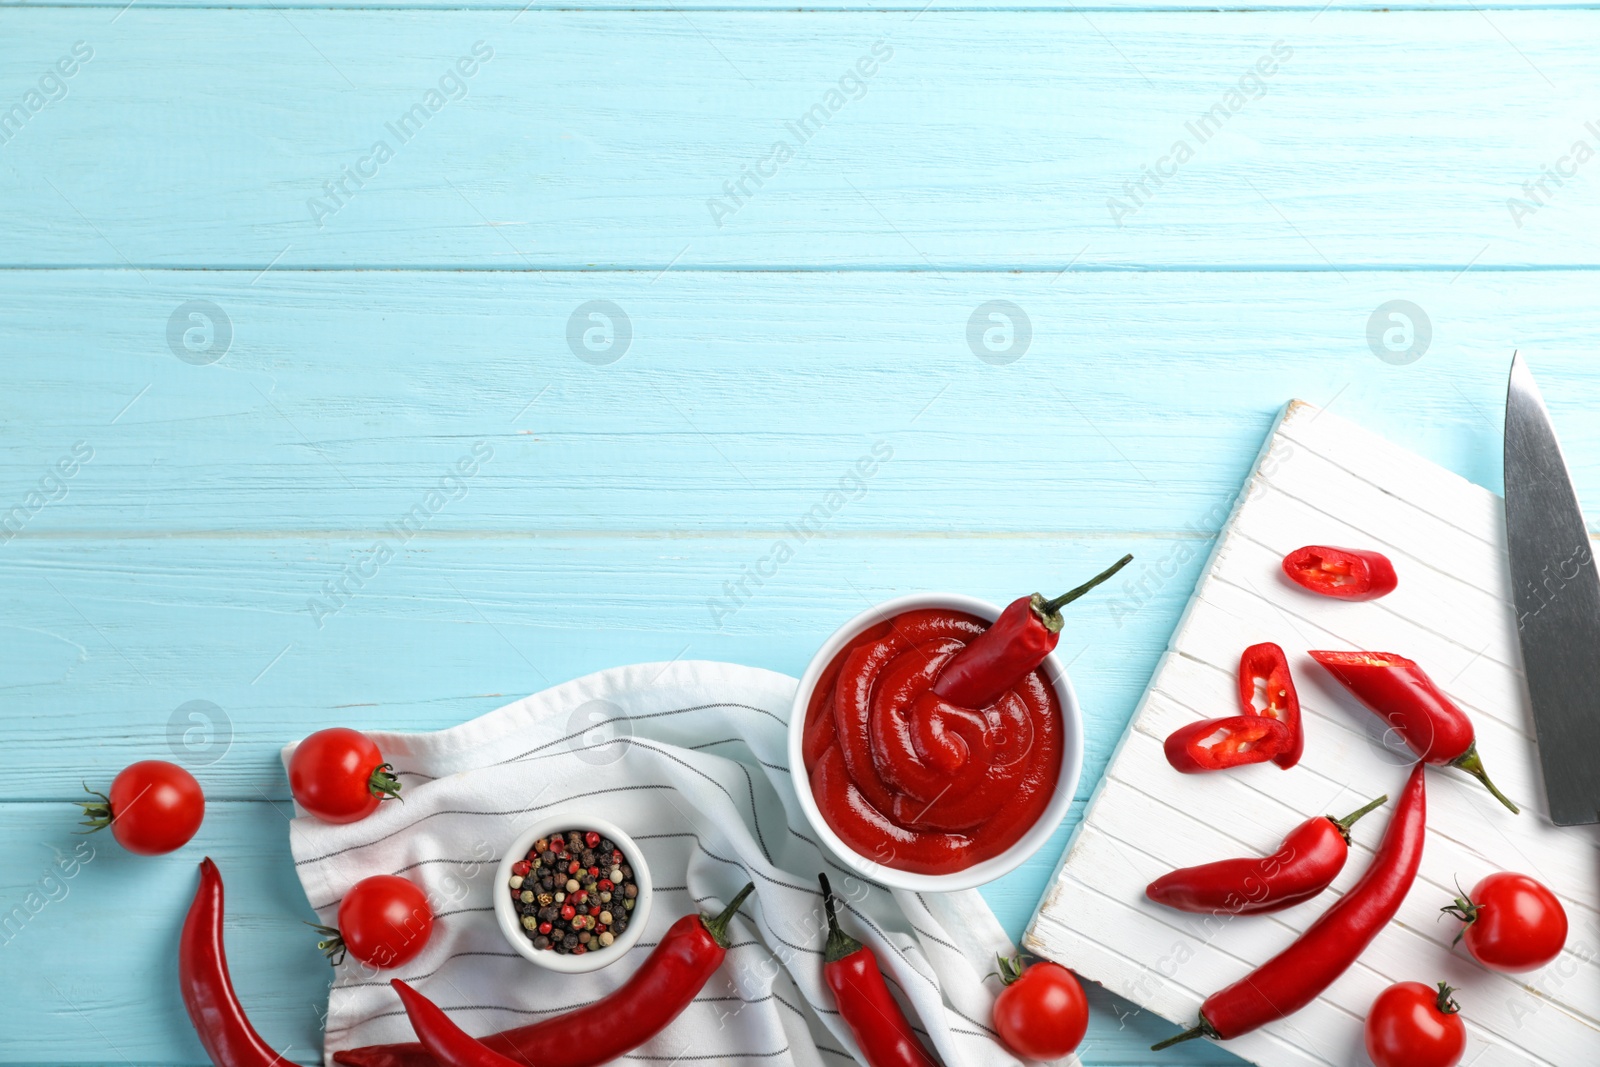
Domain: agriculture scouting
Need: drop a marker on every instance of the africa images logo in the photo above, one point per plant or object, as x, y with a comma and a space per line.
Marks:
451, 86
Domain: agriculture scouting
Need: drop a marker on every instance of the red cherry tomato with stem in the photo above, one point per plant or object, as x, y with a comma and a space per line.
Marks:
384, 921
1413, 1025
339, 775
1513, 923
1041, 1014
154, 807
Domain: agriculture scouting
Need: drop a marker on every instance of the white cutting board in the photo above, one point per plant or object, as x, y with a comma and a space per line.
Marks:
1322, 480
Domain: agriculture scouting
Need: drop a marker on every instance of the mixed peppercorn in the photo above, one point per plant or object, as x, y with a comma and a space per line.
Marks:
574, 892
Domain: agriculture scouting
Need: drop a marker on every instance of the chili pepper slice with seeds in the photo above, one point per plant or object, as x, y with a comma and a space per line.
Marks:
1307, 862
1217, 744
665, 984
218, 1017
881, 1029
1012, 647
1297, 975
1342, 573
1403, 695
1267, 665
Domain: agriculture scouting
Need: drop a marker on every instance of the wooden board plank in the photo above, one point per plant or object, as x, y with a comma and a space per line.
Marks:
1320, 477
743, 398
603, 140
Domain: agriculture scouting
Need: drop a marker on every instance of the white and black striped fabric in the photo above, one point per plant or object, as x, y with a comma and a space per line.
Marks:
690, 758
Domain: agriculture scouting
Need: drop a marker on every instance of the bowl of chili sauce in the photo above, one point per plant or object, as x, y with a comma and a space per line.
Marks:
912, 790
533, 892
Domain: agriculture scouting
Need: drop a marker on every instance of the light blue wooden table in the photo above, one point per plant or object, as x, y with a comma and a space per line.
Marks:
268, 270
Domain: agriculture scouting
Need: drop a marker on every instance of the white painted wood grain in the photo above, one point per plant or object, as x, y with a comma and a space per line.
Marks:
1322, 479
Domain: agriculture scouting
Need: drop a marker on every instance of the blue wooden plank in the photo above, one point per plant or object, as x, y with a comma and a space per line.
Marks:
997, 140
122, 638
340, 401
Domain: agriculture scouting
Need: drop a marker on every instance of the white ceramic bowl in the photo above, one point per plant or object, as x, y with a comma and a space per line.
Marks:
510, 922
978, 873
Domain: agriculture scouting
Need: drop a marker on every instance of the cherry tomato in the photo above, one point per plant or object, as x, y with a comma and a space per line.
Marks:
1041, 1014
383, 921
154, 807
1413, 1025
1513, 923
339, 775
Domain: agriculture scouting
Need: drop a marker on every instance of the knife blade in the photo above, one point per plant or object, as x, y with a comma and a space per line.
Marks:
1556, 591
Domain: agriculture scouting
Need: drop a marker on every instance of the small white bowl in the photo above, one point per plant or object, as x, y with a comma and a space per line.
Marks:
511, 923
979, 873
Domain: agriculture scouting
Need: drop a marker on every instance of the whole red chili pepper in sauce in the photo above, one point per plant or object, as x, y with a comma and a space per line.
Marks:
1297, 975
880, 1028
1014, 644
219, 1020
1217, 744
1345, 573
1307, 862
665, 984
1401, 694
1264, 668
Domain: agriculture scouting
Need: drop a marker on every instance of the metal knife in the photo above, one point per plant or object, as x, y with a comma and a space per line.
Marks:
1557, 595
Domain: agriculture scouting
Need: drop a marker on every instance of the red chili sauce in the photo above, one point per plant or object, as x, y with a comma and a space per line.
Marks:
914, 782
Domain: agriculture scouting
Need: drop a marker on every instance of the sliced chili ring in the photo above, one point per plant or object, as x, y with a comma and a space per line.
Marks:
1264, 669
1217, 744
1342, 573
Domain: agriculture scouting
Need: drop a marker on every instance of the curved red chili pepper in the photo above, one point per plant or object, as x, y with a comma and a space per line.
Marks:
449, 1044
1217, 744
1267, 665
1345, 573
1403, 695
881, 1029
1307, 862
665, 983
1012, 647
1294, 977
219, 1019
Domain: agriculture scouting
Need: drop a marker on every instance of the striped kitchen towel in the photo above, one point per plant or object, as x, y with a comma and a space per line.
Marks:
690, 758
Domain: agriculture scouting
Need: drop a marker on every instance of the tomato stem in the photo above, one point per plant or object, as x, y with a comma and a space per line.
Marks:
97, 814
1445, 1004
382, 783
1464, 909
332, 945
1011, 968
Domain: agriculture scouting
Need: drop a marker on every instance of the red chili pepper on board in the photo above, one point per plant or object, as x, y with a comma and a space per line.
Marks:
1344, 573
1307, 862
1217, 744
219, 1019
1012, 647
881, 1029
665, 983
1403, 695
1297, 975
1265, 666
